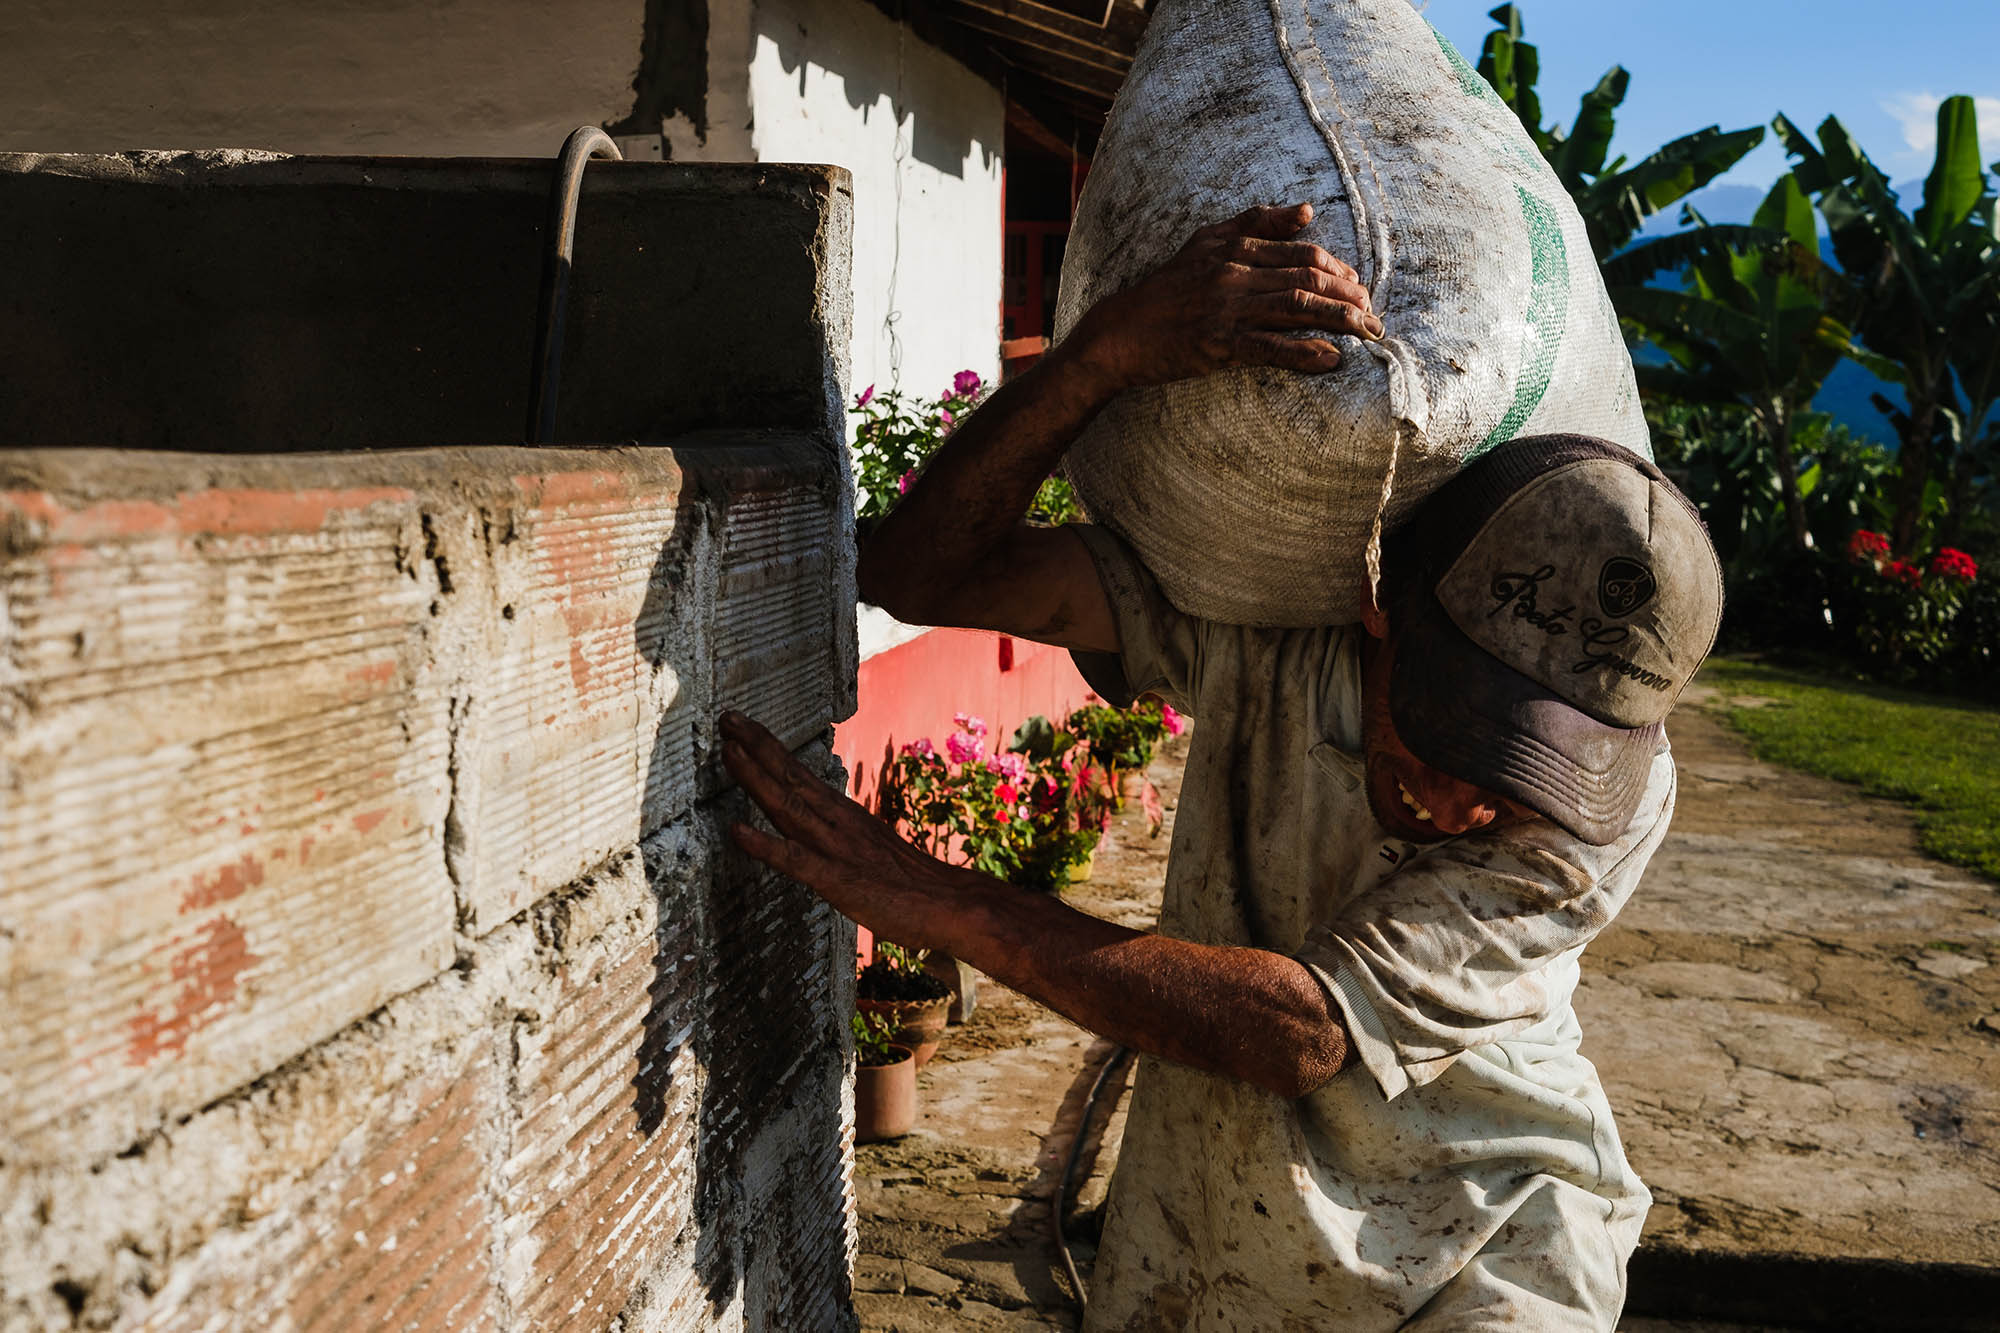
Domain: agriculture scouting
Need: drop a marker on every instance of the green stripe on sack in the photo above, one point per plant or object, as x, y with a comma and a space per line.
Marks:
1468, 78
1548, 307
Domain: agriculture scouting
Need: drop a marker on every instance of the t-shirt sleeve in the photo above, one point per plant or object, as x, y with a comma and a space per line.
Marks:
1453, 949
1161, 648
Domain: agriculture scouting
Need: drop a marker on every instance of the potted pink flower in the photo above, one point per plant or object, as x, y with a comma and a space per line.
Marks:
900, 992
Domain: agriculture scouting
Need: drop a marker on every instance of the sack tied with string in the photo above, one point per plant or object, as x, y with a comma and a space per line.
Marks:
1258, 496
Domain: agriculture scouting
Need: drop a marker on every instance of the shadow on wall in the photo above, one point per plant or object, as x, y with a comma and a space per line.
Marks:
652, 636
756, 1006
872, 59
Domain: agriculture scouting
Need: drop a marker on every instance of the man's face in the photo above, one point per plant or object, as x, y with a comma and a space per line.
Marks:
1410, 798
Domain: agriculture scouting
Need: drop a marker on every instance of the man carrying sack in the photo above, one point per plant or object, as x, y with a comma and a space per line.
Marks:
1364, 1106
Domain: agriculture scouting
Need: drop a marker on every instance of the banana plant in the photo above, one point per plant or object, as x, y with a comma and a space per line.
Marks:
1758, 324
1615, 199
1928, 283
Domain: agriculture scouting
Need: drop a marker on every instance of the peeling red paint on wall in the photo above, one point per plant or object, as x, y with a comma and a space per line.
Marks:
617, 654
209, 971
579, 667
555, 490
221, 512
365, 823
375, 673
219, 886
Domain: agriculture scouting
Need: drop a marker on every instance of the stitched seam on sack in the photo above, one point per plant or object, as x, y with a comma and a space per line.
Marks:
1406, 380
1384, 254
1357, 207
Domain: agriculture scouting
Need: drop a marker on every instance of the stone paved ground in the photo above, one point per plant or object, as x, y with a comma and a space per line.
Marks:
1796, 1020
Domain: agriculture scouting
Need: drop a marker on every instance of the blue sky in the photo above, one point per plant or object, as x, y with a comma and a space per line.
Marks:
1882, 68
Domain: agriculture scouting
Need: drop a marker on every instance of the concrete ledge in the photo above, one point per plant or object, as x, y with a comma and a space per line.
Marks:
1804, 1291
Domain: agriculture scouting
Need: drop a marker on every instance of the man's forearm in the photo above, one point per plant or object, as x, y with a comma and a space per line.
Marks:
977, 487
1244, 1013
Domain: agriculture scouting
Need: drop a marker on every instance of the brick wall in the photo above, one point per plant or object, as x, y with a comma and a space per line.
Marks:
374, 954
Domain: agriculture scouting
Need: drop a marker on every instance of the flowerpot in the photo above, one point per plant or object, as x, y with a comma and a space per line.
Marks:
1131, 783
964, 983
1080, 872
885, 1099
918, 1024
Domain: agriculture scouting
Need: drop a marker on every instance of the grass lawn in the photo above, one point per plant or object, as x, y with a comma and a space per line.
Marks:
1942, 755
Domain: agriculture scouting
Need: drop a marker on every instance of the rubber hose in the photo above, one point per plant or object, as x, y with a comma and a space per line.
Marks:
577, 150
1111, 1062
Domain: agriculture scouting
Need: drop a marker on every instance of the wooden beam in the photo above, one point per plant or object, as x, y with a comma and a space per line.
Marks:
1029, 126
1094, 12
1057, 28
1063, 71
1079, 70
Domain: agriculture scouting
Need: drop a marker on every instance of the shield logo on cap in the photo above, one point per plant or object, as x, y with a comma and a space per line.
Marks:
1624, 586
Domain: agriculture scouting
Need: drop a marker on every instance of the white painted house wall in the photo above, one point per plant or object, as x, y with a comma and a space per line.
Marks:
828, 79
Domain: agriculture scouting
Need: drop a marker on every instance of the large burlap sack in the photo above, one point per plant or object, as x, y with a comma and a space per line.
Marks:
1253, 494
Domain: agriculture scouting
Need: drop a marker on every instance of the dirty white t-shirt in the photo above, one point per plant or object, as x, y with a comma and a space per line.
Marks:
1466, 1173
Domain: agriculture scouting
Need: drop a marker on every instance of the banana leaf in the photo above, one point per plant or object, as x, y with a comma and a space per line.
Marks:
1956, 184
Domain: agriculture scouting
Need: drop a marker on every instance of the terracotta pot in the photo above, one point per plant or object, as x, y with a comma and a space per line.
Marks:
917, 1024
885, 1099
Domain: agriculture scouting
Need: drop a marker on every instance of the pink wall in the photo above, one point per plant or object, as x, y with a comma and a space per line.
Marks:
912, 691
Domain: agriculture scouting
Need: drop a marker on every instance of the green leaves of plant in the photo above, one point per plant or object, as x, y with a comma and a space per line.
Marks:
1615, 200
1040, 741
1928, 287
1786, 209
1513, 67
1956, 182
1616, 205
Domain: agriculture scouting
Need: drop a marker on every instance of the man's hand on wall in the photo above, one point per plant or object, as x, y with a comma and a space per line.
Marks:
832, 844
1237, 294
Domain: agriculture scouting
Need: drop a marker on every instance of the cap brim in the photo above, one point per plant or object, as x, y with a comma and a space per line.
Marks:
1464, 712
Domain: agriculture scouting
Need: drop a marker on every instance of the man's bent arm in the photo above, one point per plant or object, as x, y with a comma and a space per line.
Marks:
956, 552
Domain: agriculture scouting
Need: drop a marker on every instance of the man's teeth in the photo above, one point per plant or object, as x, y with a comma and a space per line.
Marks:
1415, 805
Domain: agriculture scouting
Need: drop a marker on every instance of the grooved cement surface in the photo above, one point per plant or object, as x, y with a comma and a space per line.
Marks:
273, 756
370, 937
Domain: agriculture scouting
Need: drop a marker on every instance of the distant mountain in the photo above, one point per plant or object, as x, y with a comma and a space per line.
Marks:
1717, 203
1738, 204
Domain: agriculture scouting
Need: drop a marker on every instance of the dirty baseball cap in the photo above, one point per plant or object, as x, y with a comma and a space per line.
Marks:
1550, 604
